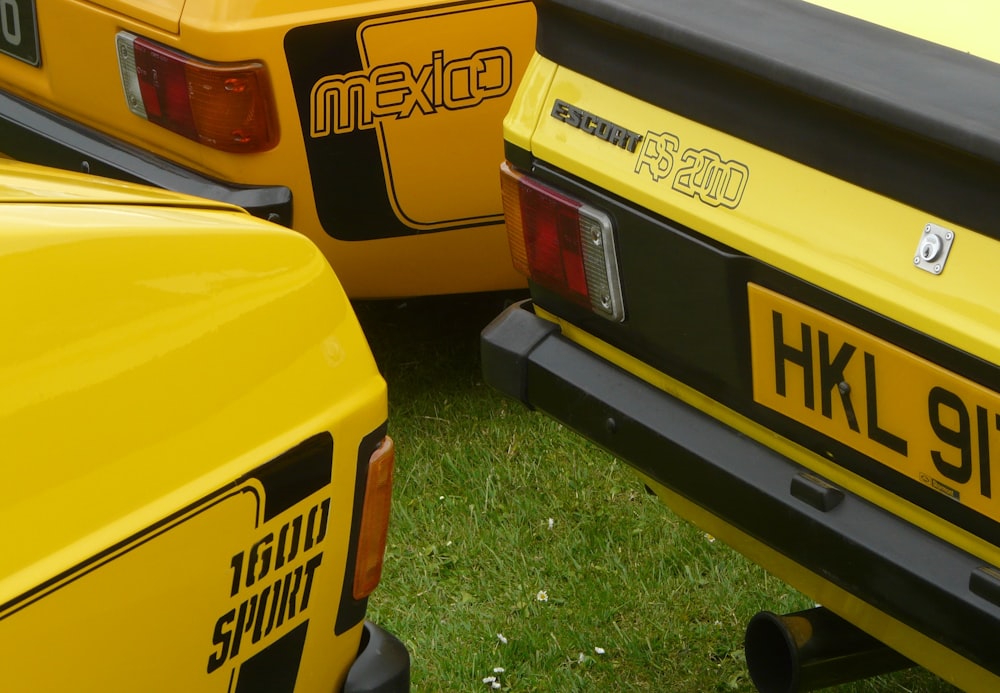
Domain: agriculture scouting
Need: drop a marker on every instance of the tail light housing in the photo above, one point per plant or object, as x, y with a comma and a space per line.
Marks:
226, 106
562, 244
374, 520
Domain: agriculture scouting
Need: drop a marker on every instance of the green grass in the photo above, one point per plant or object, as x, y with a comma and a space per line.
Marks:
495, 505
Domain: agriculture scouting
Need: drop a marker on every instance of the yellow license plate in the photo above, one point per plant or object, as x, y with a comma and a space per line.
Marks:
899, 409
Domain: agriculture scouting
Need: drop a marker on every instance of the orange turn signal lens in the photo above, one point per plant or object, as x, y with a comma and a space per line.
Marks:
374, 519
511, 196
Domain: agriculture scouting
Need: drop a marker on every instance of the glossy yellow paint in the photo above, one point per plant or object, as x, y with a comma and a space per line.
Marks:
163, 14
529, 105
965, 25
39, 184
440, 168
835, 235
155, 355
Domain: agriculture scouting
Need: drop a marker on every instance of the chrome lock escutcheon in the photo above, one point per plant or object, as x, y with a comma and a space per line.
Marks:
933, 248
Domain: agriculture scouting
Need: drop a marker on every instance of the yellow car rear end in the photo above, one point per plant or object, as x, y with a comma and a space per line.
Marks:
761, 242
373, 128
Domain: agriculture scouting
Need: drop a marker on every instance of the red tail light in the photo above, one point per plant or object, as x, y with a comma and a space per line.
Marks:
562, 244
374, 520
227, 106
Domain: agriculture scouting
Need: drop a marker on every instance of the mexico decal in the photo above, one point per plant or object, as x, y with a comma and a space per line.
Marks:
401, 115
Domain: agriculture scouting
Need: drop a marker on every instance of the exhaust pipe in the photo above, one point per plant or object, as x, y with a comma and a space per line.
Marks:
813, 649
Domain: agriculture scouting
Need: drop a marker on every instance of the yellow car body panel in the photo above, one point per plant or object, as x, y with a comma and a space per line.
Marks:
187, 397
963, 25
400, 193
781, 290
840, 254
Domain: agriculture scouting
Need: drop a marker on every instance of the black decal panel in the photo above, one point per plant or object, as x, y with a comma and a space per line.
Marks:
401, 115
297, 474
275, 668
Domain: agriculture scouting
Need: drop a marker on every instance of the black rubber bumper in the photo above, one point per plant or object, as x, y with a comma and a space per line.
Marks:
937, 589
382, 666
33, 134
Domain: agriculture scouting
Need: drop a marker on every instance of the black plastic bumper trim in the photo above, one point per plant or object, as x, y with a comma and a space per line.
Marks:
35, 135
896, 567
382, 666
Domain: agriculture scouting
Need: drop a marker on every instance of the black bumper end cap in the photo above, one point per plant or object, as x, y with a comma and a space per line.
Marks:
506, 345
382, 666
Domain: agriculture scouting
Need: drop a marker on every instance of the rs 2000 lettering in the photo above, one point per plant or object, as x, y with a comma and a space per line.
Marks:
711, 179
702, 174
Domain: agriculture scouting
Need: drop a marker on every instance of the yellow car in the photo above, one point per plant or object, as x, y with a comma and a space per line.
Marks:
194, 469
374, 128
762, 244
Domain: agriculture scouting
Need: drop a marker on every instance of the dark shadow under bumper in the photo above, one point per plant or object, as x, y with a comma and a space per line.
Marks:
909, 574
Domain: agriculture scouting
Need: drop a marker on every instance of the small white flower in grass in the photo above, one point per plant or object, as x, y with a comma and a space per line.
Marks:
710, 538
542, 596
599, 650
495, 685
552, 522
490, 679
501, 638
582, 658
497, 670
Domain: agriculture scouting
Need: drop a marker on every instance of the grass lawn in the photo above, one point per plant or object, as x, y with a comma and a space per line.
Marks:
517, 545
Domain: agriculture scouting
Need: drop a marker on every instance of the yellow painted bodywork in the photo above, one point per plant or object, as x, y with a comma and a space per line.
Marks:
965, 25
157, 350
443, 165
840, 237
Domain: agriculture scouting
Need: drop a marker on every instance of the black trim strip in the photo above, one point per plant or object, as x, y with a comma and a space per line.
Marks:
897, 115
686, 300
897, 568
32, 134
